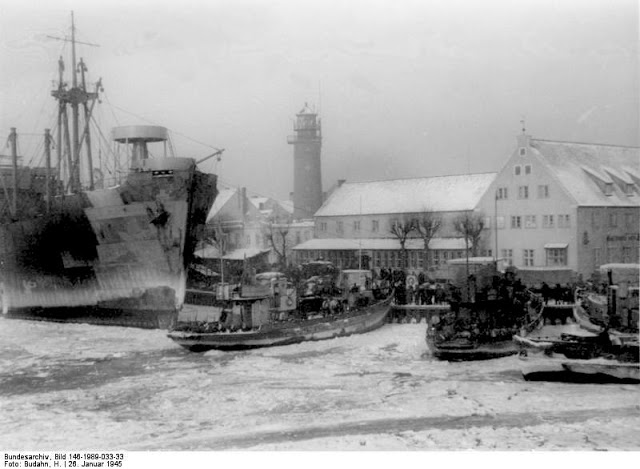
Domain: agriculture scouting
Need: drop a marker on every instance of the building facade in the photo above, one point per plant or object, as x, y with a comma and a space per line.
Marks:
242, 227
353, 228
564, 206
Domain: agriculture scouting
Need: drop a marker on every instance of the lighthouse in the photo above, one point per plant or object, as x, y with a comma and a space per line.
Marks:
307, 174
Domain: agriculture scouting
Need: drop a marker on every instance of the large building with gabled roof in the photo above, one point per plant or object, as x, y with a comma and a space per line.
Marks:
565, 206
353, 226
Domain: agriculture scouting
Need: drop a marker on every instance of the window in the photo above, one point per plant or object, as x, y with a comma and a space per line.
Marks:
608, 188
323, 226
375, 226
629, 219
613, 254
356, 225
556, 256
613, 220
523, 152
547, 221
530, 221
564, 221
502, 193
516, 170
527, 169
339, 226
527, 257
595, 220
487, 223
629, 190
507, 254
298, 237
523, 192
626, 254
543, 191
597, 259
436, 258
500, 221
516, 222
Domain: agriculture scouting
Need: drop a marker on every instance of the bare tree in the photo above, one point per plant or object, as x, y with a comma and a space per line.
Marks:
401, 230
470, 226
217, 237
277, 232
427, 225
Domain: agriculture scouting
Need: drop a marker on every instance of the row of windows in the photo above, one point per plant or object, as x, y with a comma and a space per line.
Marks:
387, 259
613, 219
523, 192
517, 169
553, 257
531, 221
625, 254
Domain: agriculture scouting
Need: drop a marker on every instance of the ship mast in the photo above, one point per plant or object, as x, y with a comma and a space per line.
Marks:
75, 96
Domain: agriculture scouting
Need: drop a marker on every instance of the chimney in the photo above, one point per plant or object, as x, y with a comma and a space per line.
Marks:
243, 200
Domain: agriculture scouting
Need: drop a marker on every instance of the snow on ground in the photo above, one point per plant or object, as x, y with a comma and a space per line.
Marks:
90, 387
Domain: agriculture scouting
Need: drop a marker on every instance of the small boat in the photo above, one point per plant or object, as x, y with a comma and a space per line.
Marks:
483, 329
257, 318
581, 371
466, 350
565, 330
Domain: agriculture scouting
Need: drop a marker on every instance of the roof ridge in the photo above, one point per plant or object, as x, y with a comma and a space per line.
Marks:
421, 177
585, 143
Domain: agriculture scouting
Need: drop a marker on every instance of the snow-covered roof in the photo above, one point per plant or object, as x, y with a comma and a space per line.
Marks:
211, 252
576, 165
287, 205
382, 244
439, 194
221, 199
256, 201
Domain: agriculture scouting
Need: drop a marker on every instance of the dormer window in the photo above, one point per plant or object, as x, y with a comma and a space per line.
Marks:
629, 190
608, 189
523, 152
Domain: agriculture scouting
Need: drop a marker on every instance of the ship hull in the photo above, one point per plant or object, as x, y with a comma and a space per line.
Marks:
115, 257
355, 322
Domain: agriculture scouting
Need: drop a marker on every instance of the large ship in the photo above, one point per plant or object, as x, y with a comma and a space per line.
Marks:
97, 251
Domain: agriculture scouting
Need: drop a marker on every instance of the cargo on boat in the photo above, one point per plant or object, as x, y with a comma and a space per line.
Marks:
274, 313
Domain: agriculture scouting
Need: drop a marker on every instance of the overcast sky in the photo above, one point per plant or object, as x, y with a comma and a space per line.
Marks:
404, 88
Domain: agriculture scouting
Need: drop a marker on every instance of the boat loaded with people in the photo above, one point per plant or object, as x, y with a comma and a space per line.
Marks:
562, 345
482, 327
76, 246
272, 311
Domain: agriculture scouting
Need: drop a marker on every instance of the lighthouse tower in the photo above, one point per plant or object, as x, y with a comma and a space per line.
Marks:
307, 174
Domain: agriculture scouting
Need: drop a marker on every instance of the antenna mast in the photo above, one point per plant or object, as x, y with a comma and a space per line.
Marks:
75, 96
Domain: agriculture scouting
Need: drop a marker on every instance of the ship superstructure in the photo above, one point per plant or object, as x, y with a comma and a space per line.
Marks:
106, 255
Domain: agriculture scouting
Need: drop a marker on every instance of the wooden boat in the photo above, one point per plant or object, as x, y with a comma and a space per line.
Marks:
581, 371
466, 350
484, 329
258, 318
564, 329
355, 321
